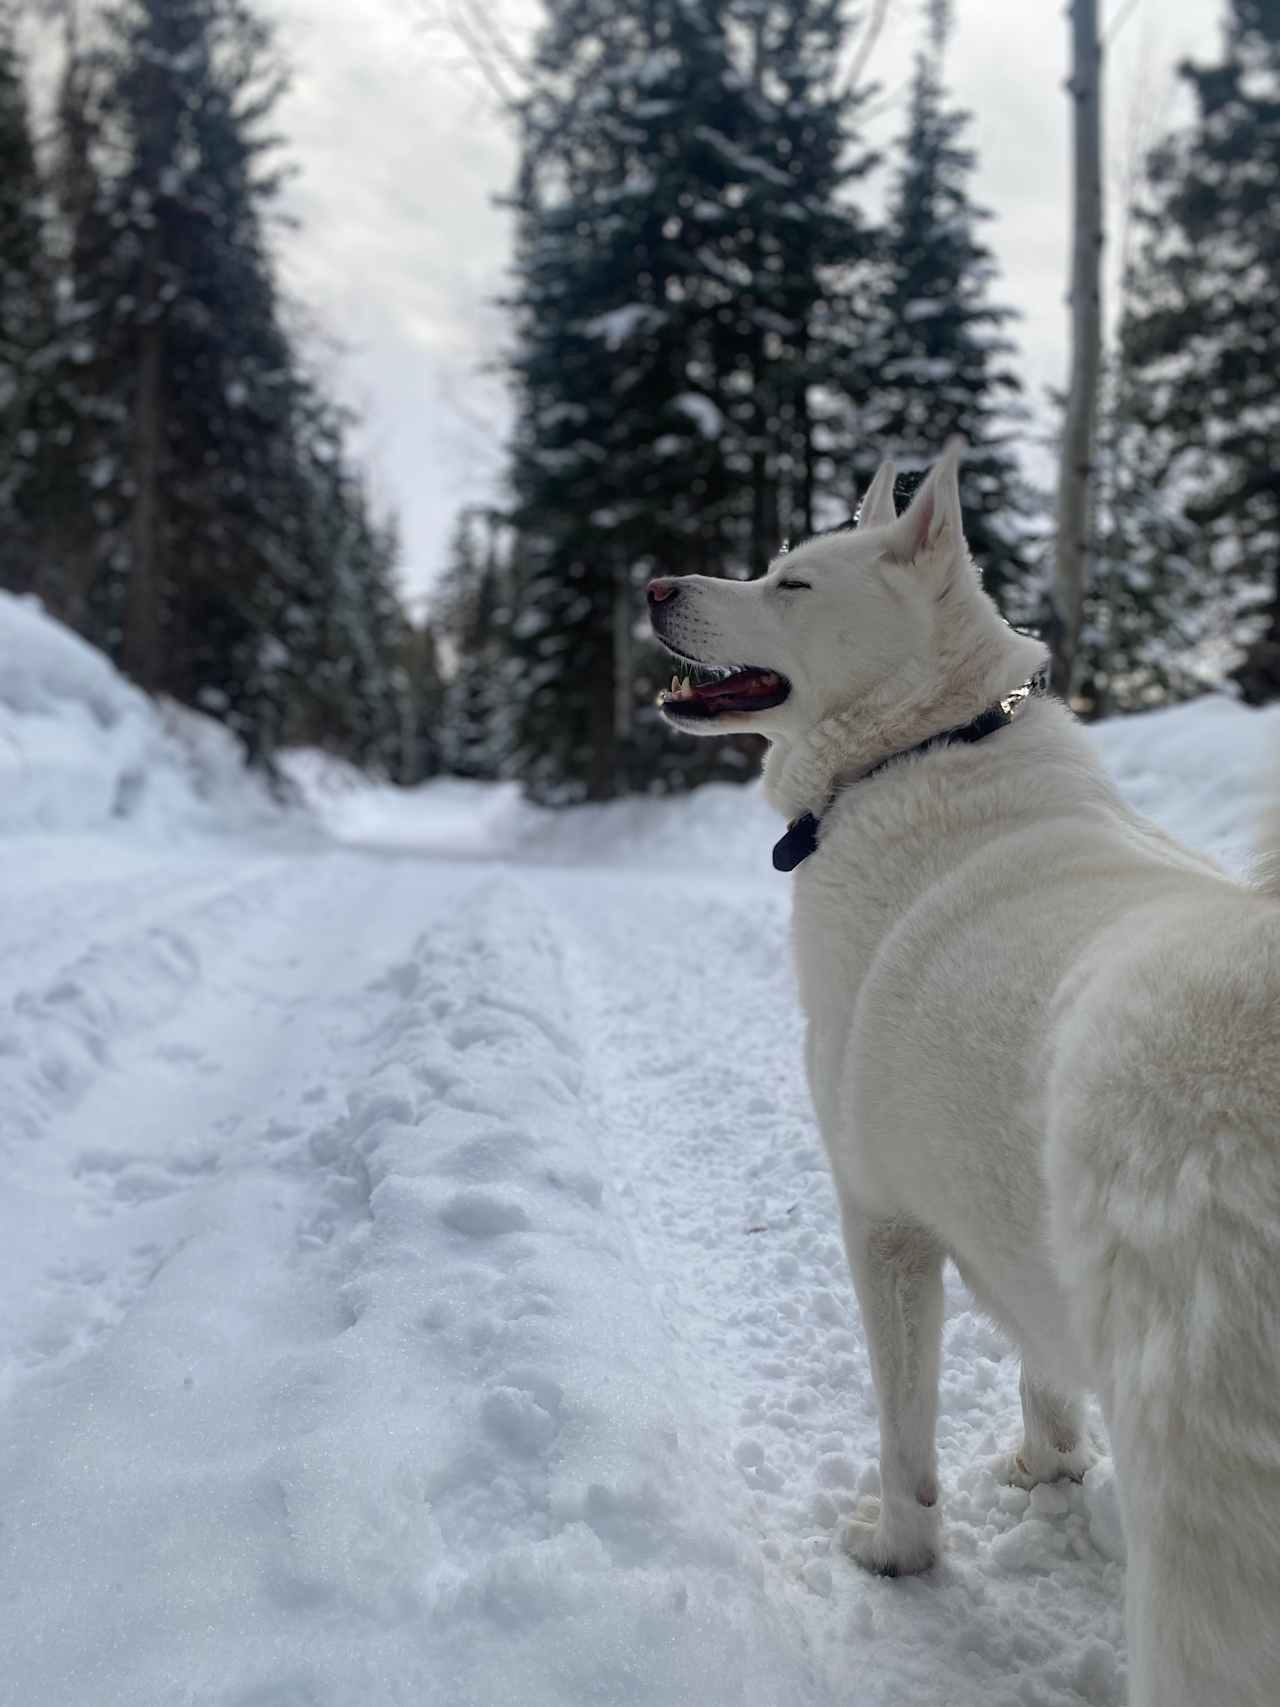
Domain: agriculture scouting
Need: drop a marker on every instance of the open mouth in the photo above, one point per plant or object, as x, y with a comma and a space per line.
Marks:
714, 690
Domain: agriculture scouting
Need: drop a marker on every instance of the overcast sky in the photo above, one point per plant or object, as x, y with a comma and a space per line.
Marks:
400, 152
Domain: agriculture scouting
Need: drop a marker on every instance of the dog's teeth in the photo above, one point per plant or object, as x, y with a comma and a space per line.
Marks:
686, 692
675, 684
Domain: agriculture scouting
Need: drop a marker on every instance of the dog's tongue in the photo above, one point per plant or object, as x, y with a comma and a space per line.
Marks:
744, 683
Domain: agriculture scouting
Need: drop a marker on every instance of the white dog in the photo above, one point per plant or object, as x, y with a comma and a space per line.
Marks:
1043, 1041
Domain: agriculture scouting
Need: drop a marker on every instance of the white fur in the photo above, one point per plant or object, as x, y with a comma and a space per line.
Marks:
1043, 1041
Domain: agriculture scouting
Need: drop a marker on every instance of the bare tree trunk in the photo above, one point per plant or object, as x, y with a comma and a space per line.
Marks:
603, 782
1071, 564
623, 667
141, 649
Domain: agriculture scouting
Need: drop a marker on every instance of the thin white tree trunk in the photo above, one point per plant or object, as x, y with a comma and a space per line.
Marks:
1072, 558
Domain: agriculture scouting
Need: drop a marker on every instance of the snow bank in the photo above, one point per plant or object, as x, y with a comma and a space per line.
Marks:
80, 748
1206, 771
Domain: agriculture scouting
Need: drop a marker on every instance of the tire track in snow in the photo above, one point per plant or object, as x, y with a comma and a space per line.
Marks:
146, 1537
706, 1117
63, 1018
135, 1072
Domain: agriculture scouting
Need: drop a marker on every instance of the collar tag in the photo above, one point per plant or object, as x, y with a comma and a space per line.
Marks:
799, 842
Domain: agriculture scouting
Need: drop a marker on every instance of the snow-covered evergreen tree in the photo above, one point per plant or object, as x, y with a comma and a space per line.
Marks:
804, 311
471, 708
341, 671
25, 309
181, 486
680, 239
454, 595
78, 414
942, 358
1149, 602
423, 755
471, 609
1204, 337
186, 305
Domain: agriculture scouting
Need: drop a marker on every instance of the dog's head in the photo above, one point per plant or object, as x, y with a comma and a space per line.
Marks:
848, 619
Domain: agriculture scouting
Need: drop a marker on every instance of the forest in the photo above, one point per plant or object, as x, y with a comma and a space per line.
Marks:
724, 306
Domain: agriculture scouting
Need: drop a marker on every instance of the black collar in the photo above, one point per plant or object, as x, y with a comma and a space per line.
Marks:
801, 838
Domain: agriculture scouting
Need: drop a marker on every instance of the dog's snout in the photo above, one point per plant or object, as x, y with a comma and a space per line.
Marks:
661, 590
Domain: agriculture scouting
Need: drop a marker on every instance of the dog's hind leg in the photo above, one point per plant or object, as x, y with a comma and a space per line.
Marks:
1055, 1440
897, 1274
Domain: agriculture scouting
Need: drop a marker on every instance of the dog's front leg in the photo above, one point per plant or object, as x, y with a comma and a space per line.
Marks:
897, 1274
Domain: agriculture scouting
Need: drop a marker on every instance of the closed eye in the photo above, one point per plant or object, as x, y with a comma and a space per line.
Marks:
795, 586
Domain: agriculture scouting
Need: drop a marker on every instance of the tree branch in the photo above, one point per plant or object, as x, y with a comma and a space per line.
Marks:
870, 36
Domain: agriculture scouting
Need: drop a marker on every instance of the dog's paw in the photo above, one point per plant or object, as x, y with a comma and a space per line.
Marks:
898, 1549
1027, 1468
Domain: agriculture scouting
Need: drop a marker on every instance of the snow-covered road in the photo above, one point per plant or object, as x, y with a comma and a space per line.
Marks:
421, 1282
424, 1286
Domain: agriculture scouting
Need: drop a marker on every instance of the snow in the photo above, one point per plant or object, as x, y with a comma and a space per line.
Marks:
922, 370
925, 308
619, 325
421, 1281
702, 412
81, 749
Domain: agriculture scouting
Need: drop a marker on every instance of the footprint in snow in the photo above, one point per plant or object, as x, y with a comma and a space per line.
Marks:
523, 1412
481, 1215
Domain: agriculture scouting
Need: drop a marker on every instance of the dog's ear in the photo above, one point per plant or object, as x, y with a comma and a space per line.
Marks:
933, 517
878, 508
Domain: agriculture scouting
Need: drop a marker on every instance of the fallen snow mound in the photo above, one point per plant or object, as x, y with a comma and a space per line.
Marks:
80, 748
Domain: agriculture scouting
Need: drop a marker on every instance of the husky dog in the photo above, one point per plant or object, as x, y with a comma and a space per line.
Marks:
1043, 1041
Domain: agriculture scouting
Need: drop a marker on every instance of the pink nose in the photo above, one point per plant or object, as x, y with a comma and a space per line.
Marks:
660, 590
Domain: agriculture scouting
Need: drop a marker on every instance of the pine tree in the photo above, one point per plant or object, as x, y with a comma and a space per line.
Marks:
1204, 341
1146, 609
190, 502
191, 360
618, 428
340, 670
471, 610
678, 226
25, 310
454, 595
942, 359
423, 755
803, 313
470, 701
79, 418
